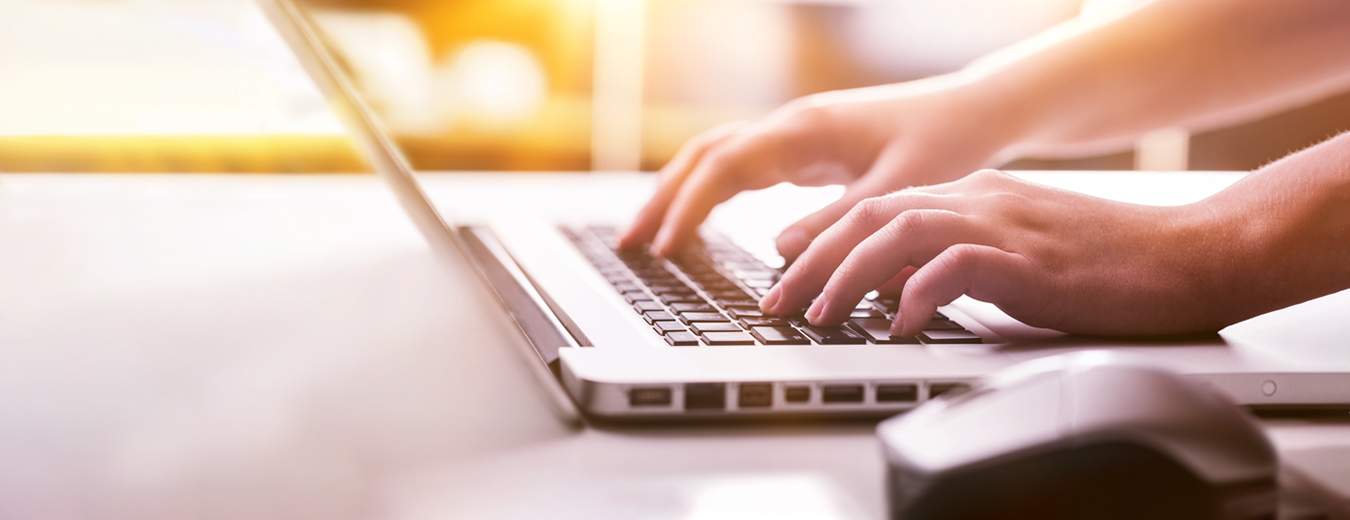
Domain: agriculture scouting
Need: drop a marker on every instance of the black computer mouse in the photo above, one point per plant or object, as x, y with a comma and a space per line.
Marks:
1080, 436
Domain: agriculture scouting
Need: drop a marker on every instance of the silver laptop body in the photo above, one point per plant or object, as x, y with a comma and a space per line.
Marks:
564, 289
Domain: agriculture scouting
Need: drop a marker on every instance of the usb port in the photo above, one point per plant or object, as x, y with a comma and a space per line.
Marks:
797, 394
649, 397
842, 393
897, 393
937, 389
705, 396
756, 395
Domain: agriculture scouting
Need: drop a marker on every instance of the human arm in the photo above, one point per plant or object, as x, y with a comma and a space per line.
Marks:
1076, 263
1082, 87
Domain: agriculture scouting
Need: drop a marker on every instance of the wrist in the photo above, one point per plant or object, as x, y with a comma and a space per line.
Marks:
1005, 116
1219, 260
1288, 225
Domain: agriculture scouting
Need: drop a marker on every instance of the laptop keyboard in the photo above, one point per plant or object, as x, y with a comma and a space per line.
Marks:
709, 293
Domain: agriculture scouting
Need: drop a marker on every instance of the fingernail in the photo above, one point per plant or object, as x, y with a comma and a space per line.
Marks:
817, 308
898, 325
771, 299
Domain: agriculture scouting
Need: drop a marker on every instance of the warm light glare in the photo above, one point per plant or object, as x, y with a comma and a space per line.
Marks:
492, 84
150, 67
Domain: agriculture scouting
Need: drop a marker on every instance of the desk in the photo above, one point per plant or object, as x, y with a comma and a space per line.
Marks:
286, 347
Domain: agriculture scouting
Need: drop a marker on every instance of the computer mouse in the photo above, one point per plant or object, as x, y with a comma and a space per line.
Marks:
1084, 435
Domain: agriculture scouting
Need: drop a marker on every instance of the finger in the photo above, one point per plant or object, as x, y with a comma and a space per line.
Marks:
913, 237
804, 279
718, 177
893, 286
984, 272
673, 175
876, 181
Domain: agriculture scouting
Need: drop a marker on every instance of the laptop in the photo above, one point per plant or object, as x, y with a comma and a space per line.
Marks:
626, 336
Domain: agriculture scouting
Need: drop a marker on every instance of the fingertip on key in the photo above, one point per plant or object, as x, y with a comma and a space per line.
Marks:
816, 312
771, 299
899, 328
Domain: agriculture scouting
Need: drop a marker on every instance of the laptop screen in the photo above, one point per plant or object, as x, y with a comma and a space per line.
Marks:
298, 24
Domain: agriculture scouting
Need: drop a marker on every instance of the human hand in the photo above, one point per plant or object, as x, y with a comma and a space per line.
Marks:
1047, 257
875, 140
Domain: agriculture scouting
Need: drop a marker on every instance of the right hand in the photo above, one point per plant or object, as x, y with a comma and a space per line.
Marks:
874, 140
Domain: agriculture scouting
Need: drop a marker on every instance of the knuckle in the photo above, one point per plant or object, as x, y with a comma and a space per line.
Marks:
908, 222
867, 211
961, 257
806, 111
722, 158
988, 176
1004, 202
716, 135
705, 141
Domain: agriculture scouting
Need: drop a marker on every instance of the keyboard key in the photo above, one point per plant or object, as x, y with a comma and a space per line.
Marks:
947, 337
763, 322
759, 284
682, 339
755, 274
869, 313
704, 327
655, 316
648, 306
779, 336
668, 326
690, 317
636, 296
729, 338
728, 294
878, 330
671, 299
941, 324
692, 307
743, 302
656, 275
747, 313
833, 335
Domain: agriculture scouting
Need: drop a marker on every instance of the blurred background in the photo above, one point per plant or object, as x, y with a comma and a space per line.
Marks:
510, 85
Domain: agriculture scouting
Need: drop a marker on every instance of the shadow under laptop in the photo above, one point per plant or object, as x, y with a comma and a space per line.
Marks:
1076, 342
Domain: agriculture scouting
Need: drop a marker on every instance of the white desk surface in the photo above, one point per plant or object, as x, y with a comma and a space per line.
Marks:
286, 347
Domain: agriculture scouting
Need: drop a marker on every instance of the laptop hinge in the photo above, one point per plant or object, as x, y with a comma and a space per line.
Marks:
545, 325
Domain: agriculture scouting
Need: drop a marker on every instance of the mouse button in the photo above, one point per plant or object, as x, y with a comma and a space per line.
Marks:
1126, 397
1205, 431
936, 436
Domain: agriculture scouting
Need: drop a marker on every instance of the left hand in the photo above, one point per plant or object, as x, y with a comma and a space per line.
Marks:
1048, 257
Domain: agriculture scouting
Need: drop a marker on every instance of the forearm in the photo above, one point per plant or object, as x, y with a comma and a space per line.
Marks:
1088, 86
1285, 230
